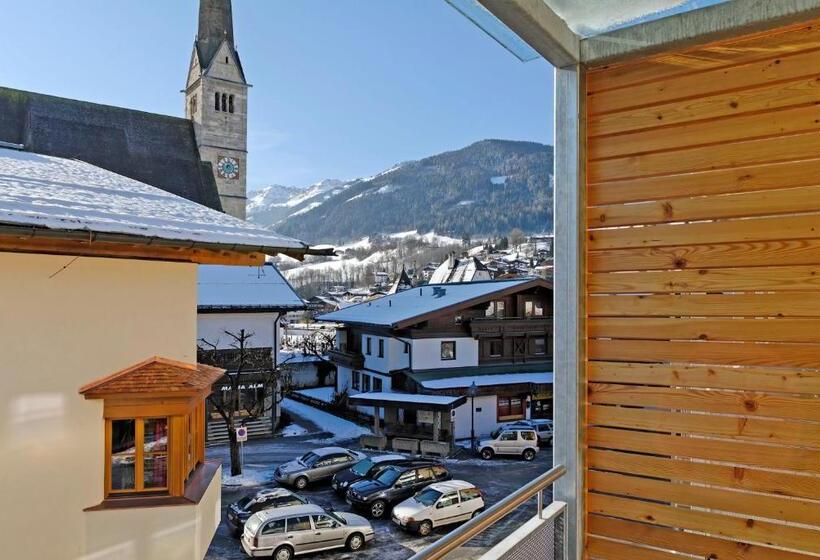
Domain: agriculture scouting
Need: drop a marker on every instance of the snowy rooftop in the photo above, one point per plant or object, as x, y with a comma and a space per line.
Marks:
543, 377
406, 398
245, 287
63, 194
392, 310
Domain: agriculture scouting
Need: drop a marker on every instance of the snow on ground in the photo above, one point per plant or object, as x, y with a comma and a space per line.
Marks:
306, 209
363, 243
292, 430
341, 429
466, 202
499, 180
322, 393
430, 237
252, 475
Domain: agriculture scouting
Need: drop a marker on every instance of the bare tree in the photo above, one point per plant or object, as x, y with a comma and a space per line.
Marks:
252, 386
316, 344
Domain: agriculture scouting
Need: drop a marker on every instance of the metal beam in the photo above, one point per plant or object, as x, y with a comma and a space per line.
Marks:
704, 25
569, 279
540, 27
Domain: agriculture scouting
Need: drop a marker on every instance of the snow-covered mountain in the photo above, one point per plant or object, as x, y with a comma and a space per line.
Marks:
270, 205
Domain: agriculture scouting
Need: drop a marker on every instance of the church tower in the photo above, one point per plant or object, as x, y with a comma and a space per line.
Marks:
216, 100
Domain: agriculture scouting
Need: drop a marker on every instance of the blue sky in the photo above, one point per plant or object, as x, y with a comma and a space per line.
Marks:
341, 88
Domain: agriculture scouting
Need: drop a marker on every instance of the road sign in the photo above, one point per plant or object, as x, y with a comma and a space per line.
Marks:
242, 434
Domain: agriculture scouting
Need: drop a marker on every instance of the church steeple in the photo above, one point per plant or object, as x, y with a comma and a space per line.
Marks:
215, 26
216, 100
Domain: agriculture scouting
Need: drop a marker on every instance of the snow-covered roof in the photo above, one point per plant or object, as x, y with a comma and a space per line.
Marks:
226, 287
69, 195
406, 398
395, 309
543, 377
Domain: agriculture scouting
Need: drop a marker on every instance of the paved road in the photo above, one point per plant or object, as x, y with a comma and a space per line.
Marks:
496, 478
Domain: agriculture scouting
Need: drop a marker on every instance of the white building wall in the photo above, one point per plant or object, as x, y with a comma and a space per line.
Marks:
427, 353
394, 355
485, 417
212, 327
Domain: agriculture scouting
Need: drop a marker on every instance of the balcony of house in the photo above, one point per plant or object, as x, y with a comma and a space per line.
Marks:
511, 326
344, 357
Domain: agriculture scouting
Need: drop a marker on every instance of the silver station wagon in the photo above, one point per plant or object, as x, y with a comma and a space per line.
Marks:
294, 530
317, 465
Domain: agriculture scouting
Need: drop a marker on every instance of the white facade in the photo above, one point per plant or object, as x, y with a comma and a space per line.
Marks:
264, 326
486, 417
395, 353
427, 353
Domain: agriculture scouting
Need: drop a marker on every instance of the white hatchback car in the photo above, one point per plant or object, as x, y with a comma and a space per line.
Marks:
441, 503
509, 441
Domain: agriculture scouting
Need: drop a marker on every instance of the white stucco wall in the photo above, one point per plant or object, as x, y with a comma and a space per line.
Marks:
427, 353
394, 356
58, 332
212, 327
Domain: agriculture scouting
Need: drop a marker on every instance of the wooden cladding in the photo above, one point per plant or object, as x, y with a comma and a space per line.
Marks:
703, 302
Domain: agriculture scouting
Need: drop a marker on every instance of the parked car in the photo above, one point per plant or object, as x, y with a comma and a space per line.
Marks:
441, 503
542, 427
239, 512
366, 468
509, 441
394, 484
314, 466
283, 533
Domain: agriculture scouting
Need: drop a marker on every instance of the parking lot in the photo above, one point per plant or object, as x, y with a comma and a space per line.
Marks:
497, 478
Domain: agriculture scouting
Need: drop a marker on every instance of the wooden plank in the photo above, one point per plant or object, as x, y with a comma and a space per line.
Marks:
722, 181
721, 401
755, 480
713, 376
771, 278
706, 158
707, 255
707, 353
724, 231
739, 205
766, 97
786, 304
601, 549
774, 508
747, 530
779, 68
779, 122
50, 246
702, 546
715, 329
762, 430
705, 57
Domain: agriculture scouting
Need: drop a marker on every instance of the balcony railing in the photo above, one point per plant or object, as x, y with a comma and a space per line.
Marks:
347, 358
511, 326
543, 537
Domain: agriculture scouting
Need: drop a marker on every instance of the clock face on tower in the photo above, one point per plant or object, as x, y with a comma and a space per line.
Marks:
227, 168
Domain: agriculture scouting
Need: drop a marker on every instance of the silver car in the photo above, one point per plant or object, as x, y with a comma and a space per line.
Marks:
442, 503
283, 533
316, 465
509, 441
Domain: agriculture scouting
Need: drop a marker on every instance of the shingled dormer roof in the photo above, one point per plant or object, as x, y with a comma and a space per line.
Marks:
155, 375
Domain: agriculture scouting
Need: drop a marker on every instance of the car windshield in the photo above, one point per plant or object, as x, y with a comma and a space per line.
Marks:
337, 517
495, 433
427, 497
243, 503
362, 467
308, 458
388, 476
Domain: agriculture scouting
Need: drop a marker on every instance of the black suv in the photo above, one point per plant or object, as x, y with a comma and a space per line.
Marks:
394, 484
366, 468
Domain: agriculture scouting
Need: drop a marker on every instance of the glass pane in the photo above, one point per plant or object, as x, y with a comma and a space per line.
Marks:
123, 434
156, 434
123, 459
155, 473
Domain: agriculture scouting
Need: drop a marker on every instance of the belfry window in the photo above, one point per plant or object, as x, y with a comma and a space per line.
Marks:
230, 103
224, 102
216, 101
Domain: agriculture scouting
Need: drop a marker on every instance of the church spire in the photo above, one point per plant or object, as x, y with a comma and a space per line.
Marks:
215, 25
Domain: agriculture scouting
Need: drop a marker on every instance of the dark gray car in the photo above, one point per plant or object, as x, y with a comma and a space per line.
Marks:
317, 465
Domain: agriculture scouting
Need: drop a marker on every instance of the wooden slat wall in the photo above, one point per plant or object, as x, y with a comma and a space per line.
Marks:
703, 302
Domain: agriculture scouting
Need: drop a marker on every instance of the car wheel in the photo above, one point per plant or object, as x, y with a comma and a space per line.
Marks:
378, 509
476, 513
355, 542
425, 528
487, 453
300, 483
528, 455
283, 553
